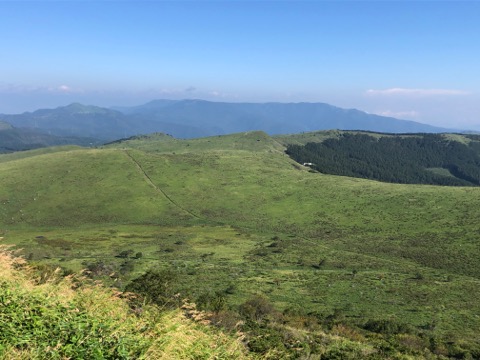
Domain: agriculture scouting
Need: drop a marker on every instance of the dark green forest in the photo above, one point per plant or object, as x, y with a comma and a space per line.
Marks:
407, 159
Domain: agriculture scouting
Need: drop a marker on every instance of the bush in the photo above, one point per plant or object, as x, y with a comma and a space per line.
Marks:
256, 308
212, 301
226, 319
124, 254
264, 339
157, 286
99, 268
388, 326
127, 267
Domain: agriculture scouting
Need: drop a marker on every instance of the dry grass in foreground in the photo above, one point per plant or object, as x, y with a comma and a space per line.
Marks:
68, 318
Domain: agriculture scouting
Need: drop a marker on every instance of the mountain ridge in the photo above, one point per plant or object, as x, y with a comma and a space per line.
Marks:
193, 118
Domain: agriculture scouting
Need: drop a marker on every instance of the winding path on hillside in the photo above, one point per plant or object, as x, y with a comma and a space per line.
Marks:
158, 189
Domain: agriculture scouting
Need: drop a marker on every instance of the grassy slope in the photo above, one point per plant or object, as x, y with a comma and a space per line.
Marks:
386, 251
60, 319
306, 137
73, 318
388, 233
29, 153
81, 187
320, 136
161, 143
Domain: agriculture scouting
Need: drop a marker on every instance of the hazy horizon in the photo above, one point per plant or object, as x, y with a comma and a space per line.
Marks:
409, 60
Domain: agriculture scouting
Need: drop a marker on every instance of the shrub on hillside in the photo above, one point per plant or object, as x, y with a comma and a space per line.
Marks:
157, 286
257, 308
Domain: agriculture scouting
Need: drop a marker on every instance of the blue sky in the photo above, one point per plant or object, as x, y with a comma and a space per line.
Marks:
408, 59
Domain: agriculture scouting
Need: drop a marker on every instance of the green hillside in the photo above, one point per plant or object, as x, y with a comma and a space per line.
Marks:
235, 216
30, 153
250, 141
5, 126
78, 187
436, 159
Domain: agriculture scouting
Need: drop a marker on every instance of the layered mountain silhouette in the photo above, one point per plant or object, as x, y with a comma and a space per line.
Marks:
199, 118
17, 139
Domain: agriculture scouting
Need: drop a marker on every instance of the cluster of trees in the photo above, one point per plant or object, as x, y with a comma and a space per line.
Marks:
397, 159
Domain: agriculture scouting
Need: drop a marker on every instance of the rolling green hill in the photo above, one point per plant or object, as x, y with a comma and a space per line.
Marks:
235, 215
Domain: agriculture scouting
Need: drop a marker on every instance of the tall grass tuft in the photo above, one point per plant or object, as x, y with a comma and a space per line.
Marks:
70, 318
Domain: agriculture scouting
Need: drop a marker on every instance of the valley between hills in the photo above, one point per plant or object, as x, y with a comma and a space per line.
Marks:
311, 265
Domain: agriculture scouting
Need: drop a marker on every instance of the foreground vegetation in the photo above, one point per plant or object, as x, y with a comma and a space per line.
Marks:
388, 270
50, 317
45, 315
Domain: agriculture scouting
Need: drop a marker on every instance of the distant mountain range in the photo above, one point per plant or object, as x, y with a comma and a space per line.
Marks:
199, 118
17, 139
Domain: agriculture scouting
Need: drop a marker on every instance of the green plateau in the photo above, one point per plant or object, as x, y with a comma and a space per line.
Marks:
235, 215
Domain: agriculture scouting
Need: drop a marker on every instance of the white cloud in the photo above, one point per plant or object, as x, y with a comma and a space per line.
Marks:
399, 114
31, 89
19, 88
219, 94
417, 92
64, 88
182, 93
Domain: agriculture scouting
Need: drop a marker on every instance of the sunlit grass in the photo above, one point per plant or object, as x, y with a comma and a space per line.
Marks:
70, 318
223, 215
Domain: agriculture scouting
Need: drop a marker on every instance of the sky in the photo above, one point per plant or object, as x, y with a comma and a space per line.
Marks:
415, 60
